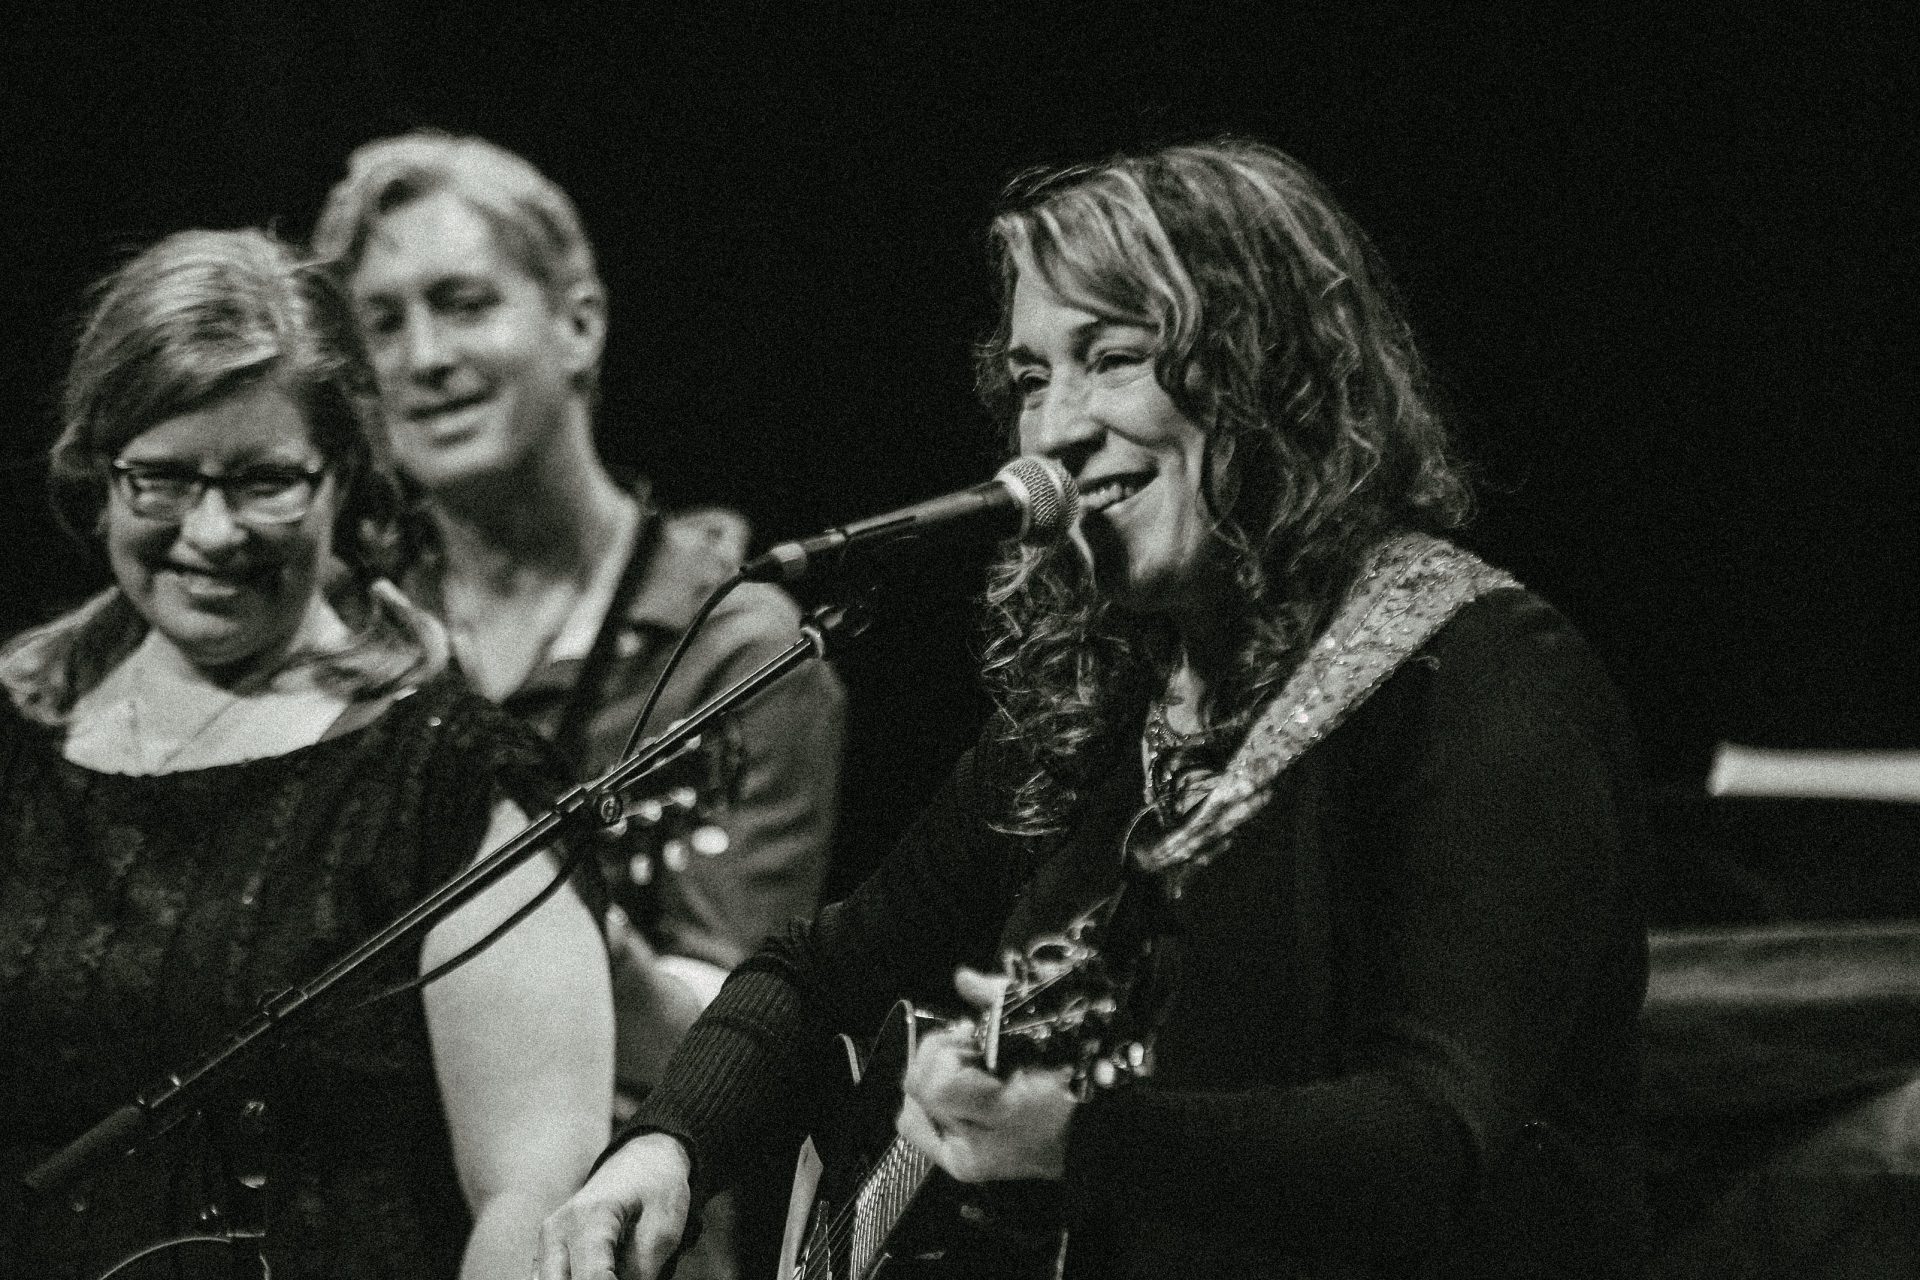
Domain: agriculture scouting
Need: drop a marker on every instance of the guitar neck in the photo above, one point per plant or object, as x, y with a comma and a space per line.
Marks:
897, 1176
843, 1210
883, 1198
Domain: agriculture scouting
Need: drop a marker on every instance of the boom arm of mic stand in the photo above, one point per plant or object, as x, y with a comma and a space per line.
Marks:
597, 802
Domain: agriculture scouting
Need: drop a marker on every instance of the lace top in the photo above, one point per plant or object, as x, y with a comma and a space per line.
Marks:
142, 919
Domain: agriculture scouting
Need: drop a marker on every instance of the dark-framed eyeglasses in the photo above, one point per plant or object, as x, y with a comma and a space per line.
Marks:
255, 495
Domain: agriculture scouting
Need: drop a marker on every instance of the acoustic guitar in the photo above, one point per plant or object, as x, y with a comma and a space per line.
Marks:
866, 1203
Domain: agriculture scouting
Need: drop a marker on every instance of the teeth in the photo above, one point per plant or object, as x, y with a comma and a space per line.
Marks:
200, 582
1109, 492
422, 413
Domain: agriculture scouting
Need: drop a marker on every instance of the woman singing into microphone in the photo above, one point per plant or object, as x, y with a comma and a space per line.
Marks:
1368, 806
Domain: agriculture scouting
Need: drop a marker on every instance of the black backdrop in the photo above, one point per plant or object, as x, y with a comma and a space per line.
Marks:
1661, 261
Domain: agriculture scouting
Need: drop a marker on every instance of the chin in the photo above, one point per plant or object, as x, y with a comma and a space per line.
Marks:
468, 462
213, 644
1162, 593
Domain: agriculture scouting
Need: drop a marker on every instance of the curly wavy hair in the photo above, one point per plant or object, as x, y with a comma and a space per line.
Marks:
1281, 336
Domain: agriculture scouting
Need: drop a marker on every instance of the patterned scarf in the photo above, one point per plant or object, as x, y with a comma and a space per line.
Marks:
1412, 584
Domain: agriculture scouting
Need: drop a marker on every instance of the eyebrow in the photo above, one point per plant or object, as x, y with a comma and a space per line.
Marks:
1083, 334
435, 287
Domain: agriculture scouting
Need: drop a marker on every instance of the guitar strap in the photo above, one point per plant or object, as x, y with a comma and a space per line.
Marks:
569, 733
1411, 586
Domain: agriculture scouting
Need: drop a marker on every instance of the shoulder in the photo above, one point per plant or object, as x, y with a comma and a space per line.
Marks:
18, 733
466, 736
686, 564
1508, 673
1513, 637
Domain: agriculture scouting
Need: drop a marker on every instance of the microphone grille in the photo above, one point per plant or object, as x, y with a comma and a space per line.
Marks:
1052, 499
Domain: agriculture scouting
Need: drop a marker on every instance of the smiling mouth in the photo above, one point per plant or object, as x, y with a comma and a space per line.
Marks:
200, 584
444, 409
1111, 491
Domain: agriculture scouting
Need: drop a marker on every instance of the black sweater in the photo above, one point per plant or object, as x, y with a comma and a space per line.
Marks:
1404, 1039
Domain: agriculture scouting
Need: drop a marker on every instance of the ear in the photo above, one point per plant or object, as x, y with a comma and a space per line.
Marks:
582, 315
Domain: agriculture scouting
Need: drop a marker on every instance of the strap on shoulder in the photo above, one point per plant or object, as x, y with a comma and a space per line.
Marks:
1412, 585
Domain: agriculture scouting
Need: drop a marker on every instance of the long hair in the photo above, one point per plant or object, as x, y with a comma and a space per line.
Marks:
1281, 337
196, 318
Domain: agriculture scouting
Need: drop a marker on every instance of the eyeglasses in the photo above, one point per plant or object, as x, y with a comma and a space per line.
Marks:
257, 495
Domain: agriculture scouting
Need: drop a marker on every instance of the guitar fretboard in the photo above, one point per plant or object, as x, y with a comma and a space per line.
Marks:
883, 1197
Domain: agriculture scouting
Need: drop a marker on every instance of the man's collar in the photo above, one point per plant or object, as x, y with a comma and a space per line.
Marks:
685, 567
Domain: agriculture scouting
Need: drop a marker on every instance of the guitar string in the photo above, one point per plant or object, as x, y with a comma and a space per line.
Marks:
843, 1224
841, 1227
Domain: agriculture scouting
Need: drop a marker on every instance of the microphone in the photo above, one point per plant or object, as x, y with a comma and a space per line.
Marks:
1033, 499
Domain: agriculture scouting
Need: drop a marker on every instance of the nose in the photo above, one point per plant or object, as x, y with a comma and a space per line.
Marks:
208, 525
1062, 425
425, 347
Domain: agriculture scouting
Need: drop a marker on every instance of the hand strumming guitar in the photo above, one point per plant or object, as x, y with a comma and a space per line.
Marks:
975, 1125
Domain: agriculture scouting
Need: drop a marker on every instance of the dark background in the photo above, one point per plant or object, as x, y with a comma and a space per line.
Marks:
1658, 260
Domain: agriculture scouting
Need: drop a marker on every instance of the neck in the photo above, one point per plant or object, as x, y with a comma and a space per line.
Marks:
545, 523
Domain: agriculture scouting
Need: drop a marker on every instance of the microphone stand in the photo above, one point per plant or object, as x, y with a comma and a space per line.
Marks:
591, 807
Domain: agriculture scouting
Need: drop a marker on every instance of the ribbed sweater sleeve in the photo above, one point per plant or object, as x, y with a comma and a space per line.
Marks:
757, 1060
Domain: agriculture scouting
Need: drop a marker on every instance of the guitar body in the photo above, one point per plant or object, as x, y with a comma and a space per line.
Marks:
854, 1180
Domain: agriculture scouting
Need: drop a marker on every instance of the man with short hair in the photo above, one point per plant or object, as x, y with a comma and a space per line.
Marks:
562, 590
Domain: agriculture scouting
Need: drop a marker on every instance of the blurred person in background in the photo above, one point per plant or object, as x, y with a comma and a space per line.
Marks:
563, 589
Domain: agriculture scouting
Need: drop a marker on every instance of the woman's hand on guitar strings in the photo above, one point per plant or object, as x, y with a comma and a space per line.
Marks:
974, 1124
633, 1210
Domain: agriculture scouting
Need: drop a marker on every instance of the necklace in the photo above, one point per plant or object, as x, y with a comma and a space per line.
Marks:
1177, 773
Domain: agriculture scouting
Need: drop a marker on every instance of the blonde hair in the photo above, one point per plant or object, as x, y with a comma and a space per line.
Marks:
532, 220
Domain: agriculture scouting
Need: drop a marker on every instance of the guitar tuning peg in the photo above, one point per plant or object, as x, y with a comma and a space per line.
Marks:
708, 840
683, 798
640, 869
1130, 1061
674, 854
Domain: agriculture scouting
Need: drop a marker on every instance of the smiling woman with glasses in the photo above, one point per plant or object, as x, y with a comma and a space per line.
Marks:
233, 765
